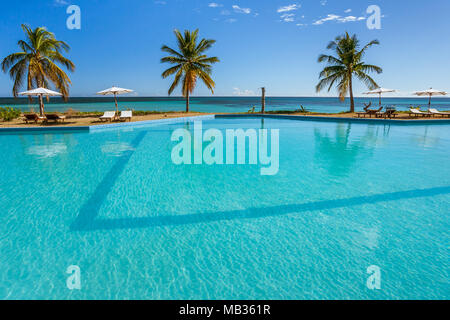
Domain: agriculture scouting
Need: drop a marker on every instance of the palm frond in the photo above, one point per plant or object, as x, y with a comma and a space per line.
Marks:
190, 62
37, 62
209, 60
12, 59
368, 68
171, 71
367, 80
171, 51
346, 62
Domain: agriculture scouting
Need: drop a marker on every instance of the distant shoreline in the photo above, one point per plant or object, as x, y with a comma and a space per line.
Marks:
125, 98
93, 120
218, 104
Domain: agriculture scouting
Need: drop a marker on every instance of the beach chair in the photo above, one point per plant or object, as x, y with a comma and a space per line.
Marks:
108, 115
33, 117
417, 113
439, 113
389, 113
367, 106
359, 114
126, 115
54, 117
369, 112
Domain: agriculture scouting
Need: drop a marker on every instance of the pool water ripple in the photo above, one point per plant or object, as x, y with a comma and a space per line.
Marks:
347, 196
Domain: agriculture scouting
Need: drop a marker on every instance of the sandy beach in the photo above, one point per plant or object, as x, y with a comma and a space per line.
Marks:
92, 120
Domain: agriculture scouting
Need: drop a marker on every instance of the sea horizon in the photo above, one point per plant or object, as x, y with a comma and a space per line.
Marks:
219, 104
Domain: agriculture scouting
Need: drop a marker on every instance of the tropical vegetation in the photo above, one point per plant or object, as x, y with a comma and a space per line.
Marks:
346, 64
9, 113
190, 63
39, 63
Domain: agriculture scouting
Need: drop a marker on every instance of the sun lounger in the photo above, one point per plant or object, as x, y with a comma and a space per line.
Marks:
126, 115
367, 106
417, 113
389, 113
108, 115
359, 114
54, 117
32, 117
369, 112
439, 113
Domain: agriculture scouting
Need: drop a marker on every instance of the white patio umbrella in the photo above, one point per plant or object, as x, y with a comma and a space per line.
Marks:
115, 91
40, 92
380, 91
430, 92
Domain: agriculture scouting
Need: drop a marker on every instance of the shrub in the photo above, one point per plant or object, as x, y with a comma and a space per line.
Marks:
8, 113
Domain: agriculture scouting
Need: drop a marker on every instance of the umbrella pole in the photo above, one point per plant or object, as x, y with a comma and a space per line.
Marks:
429, 103
380, 99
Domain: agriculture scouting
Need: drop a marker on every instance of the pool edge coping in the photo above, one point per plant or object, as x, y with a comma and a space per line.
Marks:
103, 126
221, 116
336, 119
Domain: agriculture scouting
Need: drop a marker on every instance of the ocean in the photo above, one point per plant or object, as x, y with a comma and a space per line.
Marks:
218, 104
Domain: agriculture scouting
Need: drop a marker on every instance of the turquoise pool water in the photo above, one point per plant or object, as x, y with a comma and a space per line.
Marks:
347, 196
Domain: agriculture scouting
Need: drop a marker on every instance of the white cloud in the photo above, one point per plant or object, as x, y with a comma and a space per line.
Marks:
323, 2
291, 7
231, 20
215, 5
239, 92
334, 17
60, 3
241, 10
287, 14
287, 17
348, 11
329, 17
351, 19
225, 12
160, 2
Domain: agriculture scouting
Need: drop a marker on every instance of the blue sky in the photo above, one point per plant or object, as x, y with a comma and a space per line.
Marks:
271, 43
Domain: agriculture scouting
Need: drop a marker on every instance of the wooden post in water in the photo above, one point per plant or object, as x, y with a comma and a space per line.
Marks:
263, 100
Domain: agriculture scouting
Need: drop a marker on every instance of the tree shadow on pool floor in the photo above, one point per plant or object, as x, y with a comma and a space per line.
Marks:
87, 218
87, 221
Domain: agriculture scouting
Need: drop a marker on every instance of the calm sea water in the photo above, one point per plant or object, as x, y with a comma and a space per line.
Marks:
220, 104
347, 196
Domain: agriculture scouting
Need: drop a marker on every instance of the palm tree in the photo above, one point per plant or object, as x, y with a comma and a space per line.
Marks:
190, 62
36, 63
346, 64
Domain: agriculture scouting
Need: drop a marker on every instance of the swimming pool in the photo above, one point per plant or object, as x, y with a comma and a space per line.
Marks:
347, 196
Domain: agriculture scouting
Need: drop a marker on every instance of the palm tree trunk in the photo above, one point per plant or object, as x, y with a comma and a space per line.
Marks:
41, 105
352, 100
187, 101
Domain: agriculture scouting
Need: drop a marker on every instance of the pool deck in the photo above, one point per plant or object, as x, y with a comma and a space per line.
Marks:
342, 118
181, 117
